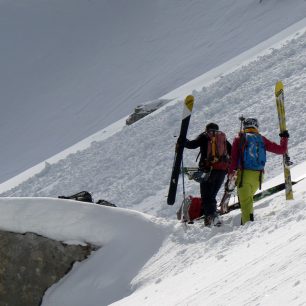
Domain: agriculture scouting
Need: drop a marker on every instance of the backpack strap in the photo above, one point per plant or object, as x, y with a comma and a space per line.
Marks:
199, 154
214, 149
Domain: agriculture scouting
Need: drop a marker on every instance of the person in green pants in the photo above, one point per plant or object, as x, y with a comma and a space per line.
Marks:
248, 158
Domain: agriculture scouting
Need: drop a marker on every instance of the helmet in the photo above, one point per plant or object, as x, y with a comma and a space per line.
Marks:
212, 126
250, 123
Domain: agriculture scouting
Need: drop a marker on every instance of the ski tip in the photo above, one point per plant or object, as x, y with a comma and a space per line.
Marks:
189, 100
279, 87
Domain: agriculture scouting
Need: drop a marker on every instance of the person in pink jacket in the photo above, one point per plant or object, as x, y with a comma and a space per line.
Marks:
248, 158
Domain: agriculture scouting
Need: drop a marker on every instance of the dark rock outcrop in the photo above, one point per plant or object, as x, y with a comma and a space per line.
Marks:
145, 109
30, 264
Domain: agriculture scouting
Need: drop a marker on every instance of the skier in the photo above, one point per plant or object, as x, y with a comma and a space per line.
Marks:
248, 158
215, 152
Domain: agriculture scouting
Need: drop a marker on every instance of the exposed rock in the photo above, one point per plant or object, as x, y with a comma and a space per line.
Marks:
105, 203
30, 264
83, 196
145, 109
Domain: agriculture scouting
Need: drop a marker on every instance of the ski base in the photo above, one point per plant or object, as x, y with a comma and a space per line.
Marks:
188, 106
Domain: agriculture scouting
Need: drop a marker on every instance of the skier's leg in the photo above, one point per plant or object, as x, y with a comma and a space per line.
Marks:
246, 202
209, 191
246, 192
205, 195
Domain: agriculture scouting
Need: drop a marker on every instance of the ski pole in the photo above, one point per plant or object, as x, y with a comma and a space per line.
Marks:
241, 118
183, 180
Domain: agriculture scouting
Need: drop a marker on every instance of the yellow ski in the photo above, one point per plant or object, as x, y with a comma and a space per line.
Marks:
279, 96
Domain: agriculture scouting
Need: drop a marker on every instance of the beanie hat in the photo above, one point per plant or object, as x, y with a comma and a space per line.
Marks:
212, 126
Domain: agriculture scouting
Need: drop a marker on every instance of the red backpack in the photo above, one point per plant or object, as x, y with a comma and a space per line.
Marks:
190, 209
195, 208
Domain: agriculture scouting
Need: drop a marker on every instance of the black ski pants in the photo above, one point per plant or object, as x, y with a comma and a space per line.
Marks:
209, 190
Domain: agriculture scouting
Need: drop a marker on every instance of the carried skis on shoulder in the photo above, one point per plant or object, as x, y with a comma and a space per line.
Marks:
178, 157
279, 97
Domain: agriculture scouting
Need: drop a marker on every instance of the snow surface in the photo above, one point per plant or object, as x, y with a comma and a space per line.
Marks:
146, 256
78, 223
70, 68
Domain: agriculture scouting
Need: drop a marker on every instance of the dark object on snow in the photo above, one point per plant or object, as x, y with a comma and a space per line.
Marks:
105, 203
145, 109
83, 196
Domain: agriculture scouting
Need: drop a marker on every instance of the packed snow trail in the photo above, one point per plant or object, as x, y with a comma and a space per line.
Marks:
261, 263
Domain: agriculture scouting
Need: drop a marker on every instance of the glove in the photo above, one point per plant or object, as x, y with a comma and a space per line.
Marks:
284, 134
180, 142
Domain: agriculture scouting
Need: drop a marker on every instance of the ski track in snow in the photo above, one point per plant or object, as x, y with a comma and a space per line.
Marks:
131, 173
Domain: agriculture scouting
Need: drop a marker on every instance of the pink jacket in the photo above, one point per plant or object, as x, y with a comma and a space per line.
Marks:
270, 146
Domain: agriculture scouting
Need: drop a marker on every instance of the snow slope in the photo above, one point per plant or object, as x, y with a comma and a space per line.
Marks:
150, 259
146, 256
153, 261
131, 167
262, 263
70, 68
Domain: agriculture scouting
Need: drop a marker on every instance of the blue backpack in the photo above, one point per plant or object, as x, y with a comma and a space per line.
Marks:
254, 151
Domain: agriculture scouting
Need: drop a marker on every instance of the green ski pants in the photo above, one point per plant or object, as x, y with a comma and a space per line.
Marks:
250, 184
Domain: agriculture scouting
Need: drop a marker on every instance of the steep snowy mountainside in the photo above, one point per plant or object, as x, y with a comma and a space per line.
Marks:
132, 167
262, 263
70, 68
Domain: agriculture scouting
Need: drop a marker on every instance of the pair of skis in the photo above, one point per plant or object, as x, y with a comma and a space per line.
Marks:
176, 169
279, 96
